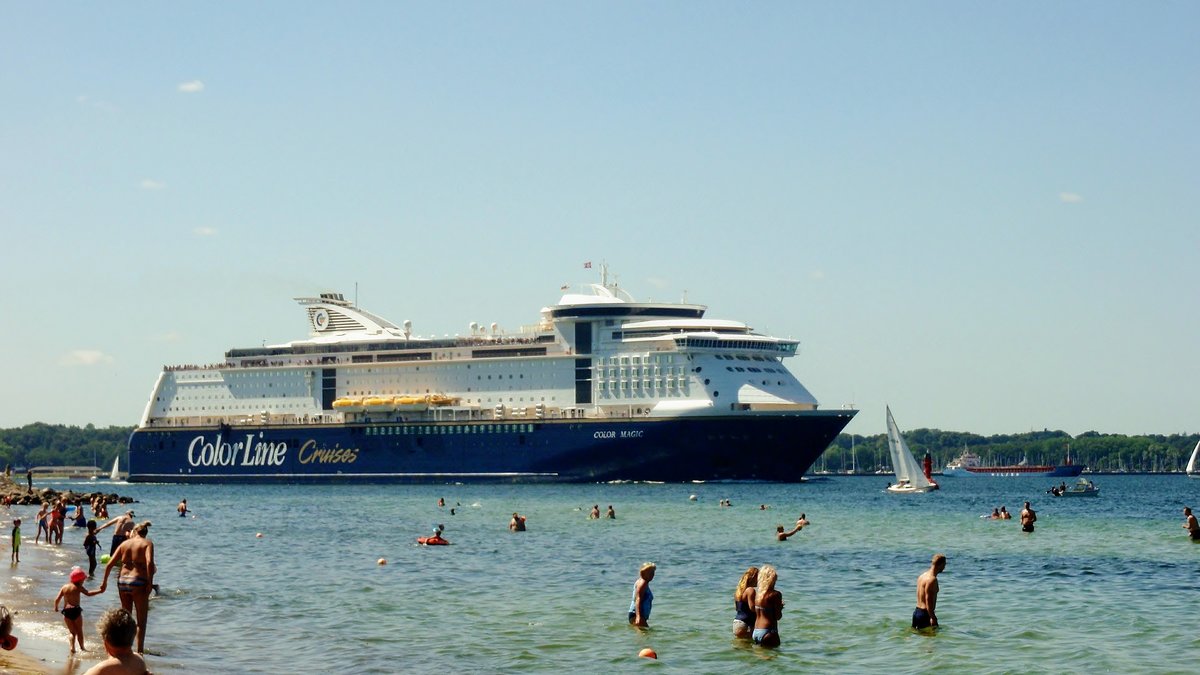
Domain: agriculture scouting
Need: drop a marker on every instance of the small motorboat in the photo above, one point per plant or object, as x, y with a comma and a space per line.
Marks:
1082, 488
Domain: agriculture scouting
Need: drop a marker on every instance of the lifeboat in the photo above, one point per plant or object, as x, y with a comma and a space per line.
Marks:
410, 402
442, 399
348, 404
377, 402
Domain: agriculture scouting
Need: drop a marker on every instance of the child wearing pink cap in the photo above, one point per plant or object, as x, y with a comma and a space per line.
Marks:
72, 612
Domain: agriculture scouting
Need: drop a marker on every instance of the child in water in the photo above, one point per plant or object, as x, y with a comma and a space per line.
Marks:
72, 612
90, 544
16, 541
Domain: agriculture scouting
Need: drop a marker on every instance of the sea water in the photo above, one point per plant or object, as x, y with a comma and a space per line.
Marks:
1110, 583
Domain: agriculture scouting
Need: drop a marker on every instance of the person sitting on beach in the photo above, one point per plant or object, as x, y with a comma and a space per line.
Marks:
136, 578
72, 611
517, 524
8, 641
643, 599
768, 608
743, 604
117, 628
1190, 524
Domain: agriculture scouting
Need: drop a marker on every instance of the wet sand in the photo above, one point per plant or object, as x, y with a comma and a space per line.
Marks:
28, 591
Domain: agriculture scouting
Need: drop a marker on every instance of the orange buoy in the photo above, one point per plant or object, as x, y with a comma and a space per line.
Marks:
382, 561
648, 653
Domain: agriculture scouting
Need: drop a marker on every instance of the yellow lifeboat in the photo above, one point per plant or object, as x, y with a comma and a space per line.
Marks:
410, 402
377, 402
348, 404
442, 399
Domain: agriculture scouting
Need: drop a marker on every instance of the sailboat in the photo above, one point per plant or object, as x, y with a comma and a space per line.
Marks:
116, 473
1193, 471
909, 475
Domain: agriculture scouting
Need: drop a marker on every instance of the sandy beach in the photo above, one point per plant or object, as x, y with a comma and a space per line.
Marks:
29, 590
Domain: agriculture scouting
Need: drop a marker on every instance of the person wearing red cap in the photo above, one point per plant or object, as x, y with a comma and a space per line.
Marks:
72, 612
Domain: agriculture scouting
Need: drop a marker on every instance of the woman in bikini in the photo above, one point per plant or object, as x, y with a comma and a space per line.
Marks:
136, 558
743, 604
768, 609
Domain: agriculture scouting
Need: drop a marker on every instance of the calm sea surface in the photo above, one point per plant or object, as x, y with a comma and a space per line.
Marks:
1104, 584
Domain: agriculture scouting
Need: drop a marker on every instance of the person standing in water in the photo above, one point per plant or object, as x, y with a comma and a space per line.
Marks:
1189, 524
1028, 518
182, 508
16, 540
136, 578
743, 604
90, 543
72, 611
610, 514
768, 609
124, 526
925, 615
517, 524
643, 599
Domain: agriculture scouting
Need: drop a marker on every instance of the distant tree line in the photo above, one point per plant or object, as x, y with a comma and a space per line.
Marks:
42, 444
1099, 452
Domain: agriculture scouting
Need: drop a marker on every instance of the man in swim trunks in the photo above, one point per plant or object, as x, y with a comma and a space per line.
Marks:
1191, 525
136, 578
925, 615
1028, 518
121, 532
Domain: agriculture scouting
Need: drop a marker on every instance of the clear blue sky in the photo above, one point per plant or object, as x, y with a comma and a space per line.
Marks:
984, 214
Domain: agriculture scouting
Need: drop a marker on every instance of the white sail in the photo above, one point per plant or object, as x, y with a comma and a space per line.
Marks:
115, 475
906, 466
1192, 470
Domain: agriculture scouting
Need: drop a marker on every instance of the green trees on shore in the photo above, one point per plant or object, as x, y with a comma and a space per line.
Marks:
42, 444
1100, 452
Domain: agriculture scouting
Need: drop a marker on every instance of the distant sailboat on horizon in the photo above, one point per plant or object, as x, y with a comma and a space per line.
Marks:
1193, 471
910, 477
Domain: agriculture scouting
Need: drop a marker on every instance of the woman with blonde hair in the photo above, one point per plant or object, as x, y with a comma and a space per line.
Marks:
768, 609
743, 604
643, 599
135, 557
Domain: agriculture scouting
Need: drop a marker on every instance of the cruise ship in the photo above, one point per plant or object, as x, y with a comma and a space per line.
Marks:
601, 388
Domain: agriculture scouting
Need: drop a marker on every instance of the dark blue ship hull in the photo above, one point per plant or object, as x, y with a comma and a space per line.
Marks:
774, 447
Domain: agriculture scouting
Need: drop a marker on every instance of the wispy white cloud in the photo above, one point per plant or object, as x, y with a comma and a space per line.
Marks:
89, 102
151, 184
1069, 197
192, 87
85, 357
206, 231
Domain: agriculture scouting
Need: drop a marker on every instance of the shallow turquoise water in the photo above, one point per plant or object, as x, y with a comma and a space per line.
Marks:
1108, 584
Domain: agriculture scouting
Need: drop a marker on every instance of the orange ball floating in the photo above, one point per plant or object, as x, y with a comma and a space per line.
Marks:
382, 561
648, 653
